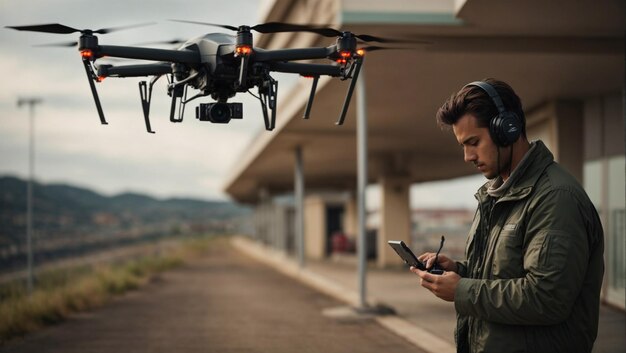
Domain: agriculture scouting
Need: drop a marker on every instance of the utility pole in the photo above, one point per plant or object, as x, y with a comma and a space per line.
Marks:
31, 102
299, 201
361, 133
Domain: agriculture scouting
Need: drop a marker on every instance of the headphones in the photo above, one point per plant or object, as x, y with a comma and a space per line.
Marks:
506, 127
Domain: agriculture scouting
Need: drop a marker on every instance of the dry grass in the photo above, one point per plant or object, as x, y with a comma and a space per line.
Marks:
60, 293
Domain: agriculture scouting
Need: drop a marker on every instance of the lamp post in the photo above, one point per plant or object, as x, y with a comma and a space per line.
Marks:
31, 102
361, 127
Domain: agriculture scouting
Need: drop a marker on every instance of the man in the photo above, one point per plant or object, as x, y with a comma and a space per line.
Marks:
534, 256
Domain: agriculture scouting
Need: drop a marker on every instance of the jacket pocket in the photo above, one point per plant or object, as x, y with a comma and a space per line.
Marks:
508, 255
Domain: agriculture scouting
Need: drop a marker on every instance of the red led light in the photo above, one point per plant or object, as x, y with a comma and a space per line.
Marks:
100, 78
244, 50
86, 53
341, 61
345, 54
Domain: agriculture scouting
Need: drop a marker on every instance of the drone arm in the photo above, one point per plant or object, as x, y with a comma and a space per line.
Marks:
134, 70
181, 56
306, 69
261, 55
91, 77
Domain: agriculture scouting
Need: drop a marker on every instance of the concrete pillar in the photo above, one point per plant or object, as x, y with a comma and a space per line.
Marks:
315, 227
559, 124
395, 218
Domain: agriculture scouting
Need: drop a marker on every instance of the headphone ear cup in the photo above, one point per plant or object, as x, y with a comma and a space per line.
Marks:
505, 129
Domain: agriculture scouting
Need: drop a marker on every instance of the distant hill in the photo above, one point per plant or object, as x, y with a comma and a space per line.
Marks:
63, 198
65, 214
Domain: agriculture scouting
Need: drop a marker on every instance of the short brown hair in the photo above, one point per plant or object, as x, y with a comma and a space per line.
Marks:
474, 100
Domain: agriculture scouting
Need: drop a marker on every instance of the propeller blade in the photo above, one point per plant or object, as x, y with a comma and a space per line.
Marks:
368, 38
375, 48
62, 44
232, 28
47, 28
276, 27
168, 42
63, 29
115, 29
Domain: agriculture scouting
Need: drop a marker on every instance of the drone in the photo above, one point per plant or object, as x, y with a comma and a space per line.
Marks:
220, 65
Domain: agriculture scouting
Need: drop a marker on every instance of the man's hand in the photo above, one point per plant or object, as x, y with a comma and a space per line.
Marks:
443, 261
443, 286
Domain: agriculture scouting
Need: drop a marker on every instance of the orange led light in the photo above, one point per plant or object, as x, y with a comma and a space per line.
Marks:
244, 50
100, 78
344, 54
360, 52
86, 53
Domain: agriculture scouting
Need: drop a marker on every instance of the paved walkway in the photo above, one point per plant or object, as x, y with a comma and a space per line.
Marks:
225, 302
421, 317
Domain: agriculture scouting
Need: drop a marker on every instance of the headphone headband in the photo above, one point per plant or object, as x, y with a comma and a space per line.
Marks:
495, 97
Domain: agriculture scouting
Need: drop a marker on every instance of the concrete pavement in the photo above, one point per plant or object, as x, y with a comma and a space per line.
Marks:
223, 302
423, 319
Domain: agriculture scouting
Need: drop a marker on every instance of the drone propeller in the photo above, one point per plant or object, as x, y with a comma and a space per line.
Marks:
61, 44
371, 48
232, 28
277, 27
63, 29
169, 42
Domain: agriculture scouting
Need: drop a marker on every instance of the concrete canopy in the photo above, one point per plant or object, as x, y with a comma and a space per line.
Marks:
545, 50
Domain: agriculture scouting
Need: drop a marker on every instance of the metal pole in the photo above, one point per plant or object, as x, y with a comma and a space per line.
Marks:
299, 199
361, 135
29, 189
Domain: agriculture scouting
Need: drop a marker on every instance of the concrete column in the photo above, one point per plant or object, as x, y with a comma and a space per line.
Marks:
559, 124
315, 227
395, 216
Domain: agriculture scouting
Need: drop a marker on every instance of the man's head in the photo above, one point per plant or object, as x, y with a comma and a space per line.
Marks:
470, 113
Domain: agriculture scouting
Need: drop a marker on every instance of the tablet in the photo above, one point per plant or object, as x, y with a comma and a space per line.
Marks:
406, 254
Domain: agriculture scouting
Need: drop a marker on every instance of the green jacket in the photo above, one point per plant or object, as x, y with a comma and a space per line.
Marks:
538, 287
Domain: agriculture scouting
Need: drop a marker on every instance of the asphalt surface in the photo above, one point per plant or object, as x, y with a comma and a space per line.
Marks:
224, 302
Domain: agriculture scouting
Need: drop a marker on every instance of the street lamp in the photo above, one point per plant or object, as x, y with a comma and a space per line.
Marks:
31, 102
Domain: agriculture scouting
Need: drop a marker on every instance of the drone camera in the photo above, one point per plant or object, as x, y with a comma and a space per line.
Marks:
219, 113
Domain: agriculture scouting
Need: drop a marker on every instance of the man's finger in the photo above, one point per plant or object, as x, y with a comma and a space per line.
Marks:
430, 278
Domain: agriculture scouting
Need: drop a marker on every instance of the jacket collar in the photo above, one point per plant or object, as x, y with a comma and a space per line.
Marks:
539, 159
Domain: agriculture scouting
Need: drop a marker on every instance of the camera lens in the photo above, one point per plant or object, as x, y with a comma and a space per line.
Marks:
219, 113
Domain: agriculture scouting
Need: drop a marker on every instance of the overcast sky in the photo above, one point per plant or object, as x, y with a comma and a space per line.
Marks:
190, 159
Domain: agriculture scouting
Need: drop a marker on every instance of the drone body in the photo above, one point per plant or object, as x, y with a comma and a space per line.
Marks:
220, 65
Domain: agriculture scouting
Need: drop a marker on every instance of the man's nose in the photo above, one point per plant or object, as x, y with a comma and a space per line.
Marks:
469, 155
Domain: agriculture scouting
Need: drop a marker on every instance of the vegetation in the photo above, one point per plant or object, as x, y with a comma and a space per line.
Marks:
70, 221
62, 292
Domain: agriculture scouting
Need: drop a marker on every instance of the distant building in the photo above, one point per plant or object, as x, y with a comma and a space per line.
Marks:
430, 224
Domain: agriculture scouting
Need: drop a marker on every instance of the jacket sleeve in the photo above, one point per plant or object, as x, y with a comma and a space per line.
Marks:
461, 268
555, 262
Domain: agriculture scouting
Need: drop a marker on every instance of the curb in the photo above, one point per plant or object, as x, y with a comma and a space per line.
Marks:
282, 263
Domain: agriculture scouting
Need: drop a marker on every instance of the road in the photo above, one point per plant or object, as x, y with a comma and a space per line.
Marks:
223, 302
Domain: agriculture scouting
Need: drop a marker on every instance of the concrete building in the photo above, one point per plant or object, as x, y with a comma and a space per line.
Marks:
565, 59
